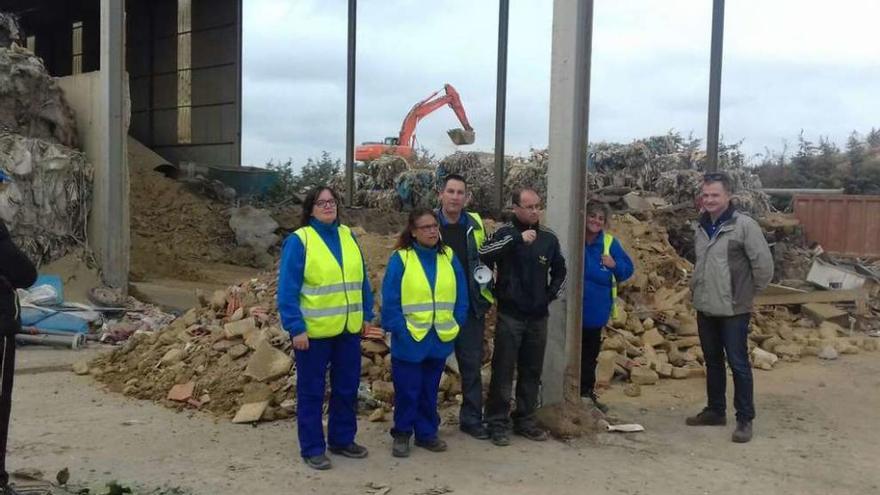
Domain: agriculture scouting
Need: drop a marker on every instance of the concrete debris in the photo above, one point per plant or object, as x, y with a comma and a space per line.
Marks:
255, 228
181, 392
267, 363
641, 375
632, 390
828, 352
81, 368
250, 413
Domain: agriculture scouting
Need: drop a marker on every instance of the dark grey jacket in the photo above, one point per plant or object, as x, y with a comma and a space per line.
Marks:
731, 267
16, 272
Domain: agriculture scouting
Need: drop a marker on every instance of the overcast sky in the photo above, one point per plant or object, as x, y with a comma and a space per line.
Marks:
788, 65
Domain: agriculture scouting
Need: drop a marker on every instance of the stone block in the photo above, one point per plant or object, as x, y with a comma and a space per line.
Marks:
267, 363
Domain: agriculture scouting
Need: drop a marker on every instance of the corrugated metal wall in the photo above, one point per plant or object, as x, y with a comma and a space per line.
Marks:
841, 223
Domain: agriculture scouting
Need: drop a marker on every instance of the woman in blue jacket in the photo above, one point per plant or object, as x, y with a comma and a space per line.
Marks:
424, 300
324, 299
606, 264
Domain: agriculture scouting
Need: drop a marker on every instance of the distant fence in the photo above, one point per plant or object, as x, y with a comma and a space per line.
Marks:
841, 223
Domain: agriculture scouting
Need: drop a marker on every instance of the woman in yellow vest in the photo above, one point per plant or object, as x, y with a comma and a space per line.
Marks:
605, 265
324, 299
424, 300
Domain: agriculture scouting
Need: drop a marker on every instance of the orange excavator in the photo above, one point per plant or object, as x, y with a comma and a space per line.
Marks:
403, 145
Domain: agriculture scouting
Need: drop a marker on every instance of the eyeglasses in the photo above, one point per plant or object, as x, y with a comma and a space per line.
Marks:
325, 203
427, 228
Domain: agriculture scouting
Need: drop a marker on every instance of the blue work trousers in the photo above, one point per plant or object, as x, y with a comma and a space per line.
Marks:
342, 354
415, 398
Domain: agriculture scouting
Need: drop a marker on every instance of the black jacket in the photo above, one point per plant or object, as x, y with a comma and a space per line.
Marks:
529, 276
16, 272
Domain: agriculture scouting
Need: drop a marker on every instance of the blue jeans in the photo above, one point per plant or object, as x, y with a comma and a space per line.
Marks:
342, 354
720, 335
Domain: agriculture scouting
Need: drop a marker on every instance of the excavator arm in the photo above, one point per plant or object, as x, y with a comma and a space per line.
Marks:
403, 144
430, 104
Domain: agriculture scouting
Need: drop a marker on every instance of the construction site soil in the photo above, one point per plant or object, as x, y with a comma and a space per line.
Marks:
815, 434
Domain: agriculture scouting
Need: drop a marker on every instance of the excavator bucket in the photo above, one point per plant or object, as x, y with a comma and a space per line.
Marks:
460, 136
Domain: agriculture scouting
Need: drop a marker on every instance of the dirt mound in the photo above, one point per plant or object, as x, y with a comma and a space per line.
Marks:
171, 227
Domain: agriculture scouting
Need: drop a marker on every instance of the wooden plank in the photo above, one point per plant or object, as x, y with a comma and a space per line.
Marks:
777, 290
820, 312
819, 296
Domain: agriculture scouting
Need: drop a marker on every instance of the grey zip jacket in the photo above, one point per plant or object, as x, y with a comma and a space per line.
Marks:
732, 266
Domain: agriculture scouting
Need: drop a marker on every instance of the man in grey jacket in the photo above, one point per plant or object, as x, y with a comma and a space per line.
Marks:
733, 264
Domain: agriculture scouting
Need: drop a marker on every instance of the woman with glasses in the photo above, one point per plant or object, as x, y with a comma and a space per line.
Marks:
606, 264
325, 300
424, 300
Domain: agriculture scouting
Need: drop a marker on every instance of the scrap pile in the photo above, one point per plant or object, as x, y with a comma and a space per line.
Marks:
667, 167
47, 203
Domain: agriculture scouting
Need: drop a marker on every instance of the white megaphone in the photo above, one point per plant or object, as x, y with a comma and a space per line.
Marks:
483, 275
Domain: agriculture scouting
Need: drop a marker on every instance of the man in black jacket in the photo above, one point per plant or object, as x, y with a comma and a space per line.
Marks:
16, 271
530, 274
464, 232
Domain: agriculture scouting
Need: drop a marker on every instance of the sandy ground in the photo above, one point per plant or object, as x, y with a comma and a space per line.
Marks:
816, 434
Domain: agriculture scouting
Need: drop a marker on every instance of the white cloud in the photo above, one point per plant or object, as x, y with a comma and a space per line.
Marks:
788, 65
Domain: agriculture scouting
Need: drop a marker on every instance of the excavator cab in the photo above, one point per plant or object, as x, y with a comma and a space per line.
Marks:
392, 141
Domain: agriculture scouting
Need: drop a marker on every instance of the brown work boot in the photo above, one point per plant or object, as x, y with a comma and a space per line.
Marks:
707, 417
743, 432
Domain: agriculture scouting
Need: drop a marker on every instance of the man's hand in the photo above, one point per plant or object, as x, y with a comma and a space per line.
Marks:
529, 236
301, 342
608, 261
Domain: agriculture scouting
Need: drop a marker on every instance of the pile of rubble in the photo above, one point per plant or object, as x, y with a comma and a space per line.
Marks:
655, 334
230, 356
47, 203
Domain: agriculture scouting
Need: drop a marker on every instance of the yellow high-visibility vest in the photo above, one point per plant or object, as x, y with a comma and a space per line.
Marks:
606, 251
425, 306
331, 298
479, 239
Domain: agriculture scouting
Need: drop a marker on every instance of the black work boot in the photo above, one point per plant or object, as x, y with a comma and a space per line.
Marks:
352, 450
743, 432
319, 462
599, 405
434, 445
500, 438
707, 417
532, 433
477, 431
400, 447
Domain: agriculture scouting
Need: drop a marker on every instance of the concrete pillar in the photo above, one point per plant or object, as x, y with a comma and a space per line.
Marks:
111, 180
566, 189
